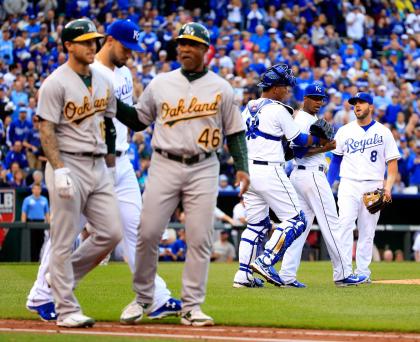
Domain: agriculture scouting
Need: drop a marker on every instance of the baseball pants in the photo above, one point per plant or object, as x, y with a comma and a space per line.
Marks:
316, 199
352, 208
94, 196
130, 204
169, 182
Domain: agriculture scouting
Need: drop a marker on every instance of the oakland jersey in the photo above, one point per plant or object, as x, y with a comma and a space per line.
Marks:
365, 153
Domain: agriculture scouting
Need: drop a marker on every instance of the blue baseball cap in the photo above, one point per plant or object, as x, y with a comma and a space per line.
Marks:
362, 97
127, 33
315, 89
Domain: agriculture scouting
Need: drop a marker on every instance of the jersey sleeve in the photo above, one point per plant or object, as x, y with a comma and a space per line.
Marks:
146, 105
231, 116
290, 128
339, 147
391, 148
25, 206
111, 108
50, 101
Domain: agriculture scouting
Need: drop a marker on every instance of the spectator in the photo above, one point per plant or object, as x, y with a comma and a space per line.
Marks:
355, 21
388, 255
32, 144
6, 47
224, 184
18, 180
223, 250
19, 128
254, 17
35, 208
413, 166
239, 213
179, 247
260, 38
6, 106
399, 255
16, 155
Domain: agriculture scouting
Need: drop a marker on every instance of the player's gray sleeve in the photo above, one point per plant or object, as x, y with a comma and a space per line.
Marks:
50, 101
231, 115
111, 109
146, 106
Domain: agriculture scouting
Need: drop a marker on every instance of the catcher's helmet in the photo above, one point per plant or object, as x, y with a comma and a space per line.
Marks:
79, 30
277, 75
196, 32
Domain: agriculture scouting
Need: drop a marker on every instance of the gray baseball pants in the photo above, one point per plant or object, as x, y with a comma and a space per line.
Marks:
197, 186
95, 198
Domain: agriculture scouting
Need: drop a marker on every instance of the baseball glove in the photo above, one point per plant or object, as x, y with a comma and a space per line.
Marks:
322, 129
375, 200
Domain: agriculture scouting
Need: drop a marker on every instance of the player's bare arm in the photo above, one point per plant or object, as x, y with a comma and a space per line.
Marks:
390, 180
329, 146
50, 144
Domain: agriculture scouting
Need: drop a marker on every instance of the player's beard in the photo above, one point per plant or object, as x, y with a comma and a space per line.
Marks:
118, 62
364, 114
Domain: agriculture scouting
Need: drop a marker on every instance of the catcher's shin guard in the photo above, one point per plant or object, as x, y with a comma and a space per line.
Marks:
283, 236
251, 238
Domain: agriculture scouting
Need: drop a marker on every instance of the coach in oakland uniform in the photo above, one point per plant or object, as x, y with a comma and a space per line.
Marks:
315, 196
73, 102
120, 41
193, 109
364, 147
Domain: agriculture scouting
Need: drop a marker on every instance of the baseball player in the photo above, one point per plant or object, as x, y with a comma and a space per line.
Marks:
76, 106
120, 41
364, 147
268, 121
193, 109
315, 196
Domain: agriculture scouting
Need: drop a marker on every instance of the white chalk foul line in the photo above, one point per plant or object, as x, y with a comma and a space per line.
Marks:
172, 336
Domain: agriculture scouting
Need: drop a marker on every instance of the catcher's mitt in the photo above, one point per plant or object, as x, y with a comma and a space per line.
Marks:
322, 129
375, 200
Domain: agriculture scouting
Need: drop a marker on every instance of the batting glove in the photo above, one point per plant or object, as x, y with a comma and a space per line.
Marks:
63, 183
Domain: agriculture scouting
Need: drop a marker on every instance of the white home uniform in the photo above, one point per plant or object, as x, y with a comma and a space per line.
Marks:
128, 195
316, 199
270, 187
365, 154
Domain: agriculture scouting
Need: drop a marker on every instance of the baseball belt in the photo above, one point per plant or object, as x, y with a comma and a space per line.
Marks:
185, 160
85, 154
319, 168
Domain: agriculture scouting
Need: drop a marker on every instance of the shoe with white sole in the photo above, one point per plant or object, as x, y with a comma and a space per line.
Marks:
352, 280
196, 318
253, 282
267, 271
76, 320
132, 313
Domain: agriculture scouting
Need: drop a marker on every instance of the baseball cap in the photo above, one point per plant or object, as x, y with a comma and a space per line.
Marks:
315, 89
362, 97
127, 33
272, 30
223, 177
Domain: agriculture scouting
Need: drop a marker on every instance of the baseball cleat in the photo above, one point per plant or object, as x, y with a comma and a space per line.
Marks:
45, 311
267, 271
296, 284
196, 318
254, 282
76, 320
132, 313
171, 308
351, 280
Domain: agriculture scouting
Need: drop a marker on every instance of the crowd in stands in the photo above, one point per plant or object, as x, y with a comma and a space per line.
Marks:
348, 46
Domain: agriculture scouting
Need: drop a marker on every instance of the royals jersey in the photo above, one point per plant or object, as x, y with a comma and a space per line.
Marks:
304, 121
267, 121
76, 110
190, 117
365, 153
123, 89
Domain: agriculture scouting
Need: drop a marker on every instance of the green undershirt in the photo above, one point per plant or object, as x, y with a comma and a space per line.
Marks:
192, 76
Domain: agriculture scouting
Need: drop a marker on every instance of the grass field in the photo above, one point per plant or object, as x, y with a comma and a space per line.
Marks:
375, 307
